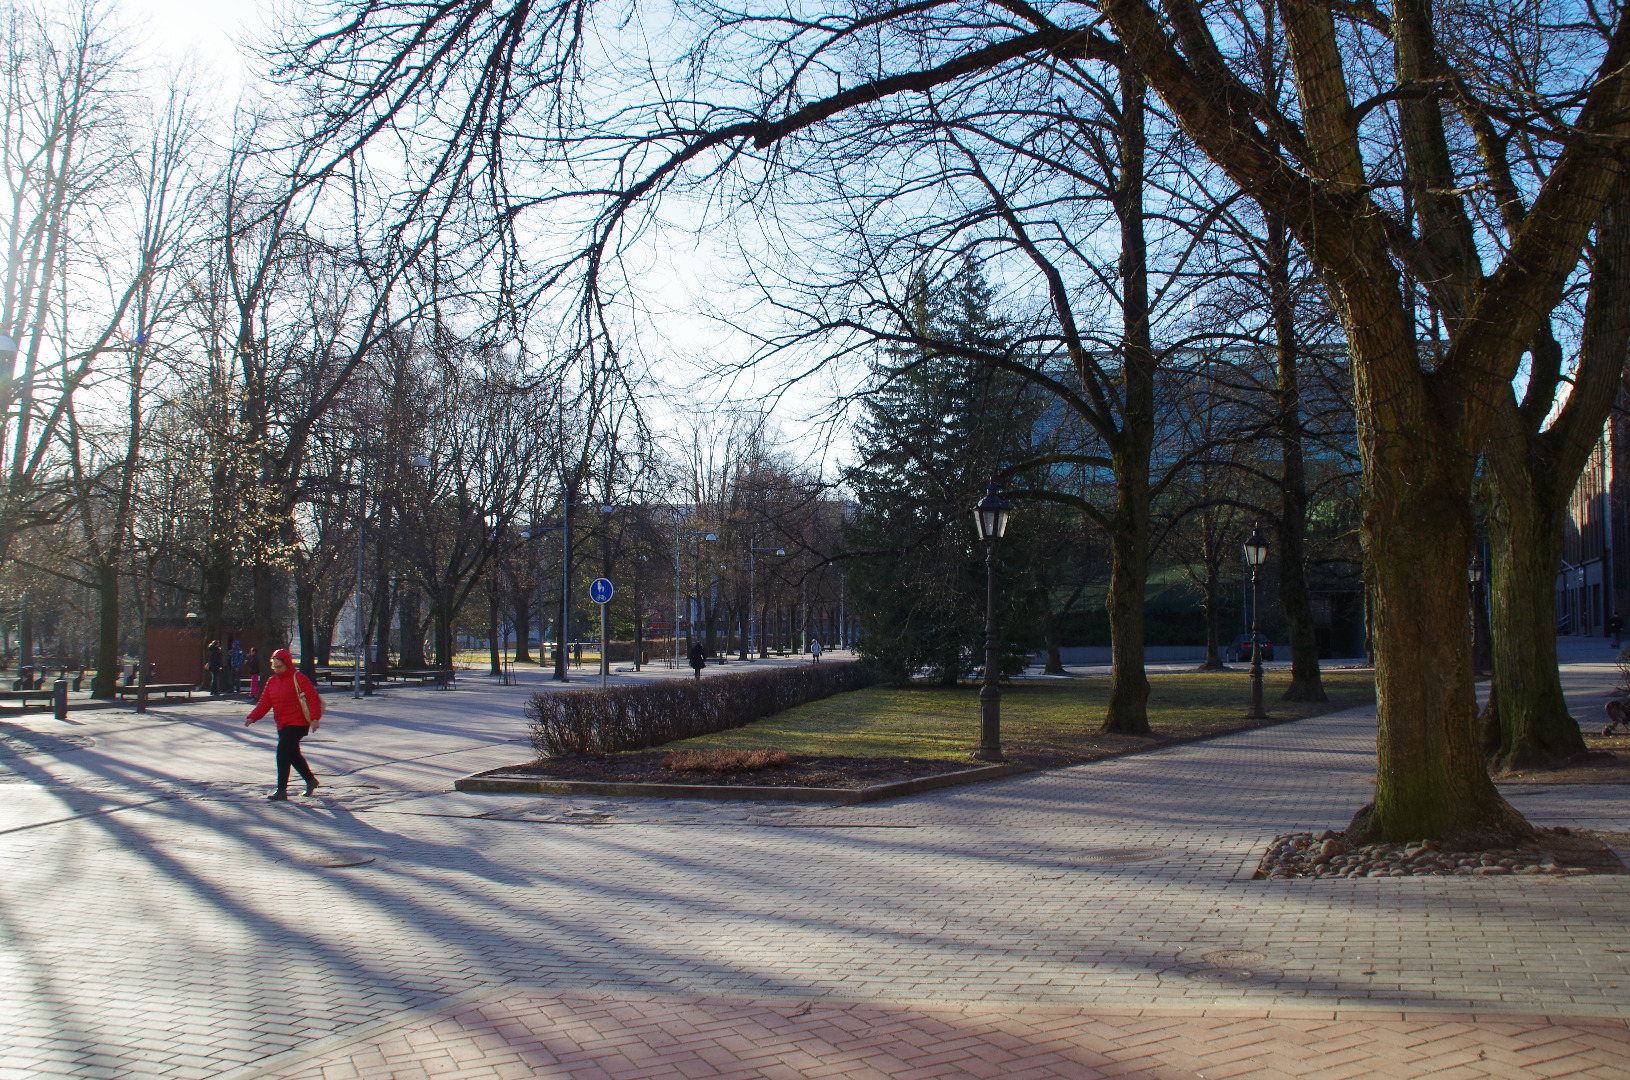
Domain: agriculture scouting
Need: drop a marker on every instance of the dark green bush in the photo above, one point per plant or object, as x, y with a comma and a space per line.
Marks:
633, 717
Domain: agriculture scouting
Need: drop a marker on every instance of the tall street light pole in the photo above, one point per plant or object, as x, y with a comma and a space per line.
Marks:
1256, 553
990, 519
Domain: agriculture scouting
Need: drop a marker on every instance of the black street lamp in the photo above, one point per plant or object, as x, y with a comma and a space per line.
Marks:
1256, 553
990, 519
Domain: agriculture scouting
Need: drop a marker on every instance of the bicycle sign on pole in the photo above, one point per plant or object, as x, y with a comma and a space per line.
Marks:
600, 593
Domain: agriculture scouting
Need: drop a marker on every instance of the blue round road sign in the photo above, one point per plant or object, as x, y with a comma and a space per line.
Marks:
600, 590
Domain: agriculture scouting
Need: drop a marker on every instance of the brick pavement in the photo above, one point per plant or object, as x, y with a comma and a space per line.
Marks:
158, 918
536, 1033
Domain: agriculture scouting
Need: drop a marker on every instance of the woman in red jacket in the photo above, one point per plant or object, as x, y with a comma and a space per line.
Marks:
296, 708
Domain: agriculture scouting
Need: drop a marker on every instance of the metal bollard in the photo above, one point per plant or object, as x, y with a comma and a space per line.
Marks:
59, 698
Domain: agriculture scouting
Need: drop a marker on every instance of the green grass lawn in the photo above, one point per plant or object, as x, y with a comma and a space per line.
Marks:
1045, 723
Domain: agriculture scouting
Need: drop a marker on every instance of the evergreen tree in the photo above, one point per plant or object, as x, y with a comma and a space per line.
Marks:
936, 428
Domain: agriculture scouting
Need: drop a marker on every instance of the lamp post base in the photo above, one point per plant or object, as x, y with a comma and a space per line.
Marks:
1256, 712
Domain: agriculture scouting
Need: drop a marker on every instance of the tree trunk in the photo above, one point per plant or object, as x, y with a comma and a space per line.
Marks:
412, 618
1525, 548
305, 617
1055, 662
105, 683
522, 606
271, 628
441, 610
1430, 778
1128, 710
494, 608
1294, 601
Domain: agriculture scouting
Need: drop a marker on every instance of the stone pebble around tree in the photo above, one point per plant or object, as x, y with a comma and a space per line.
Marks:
1305, 855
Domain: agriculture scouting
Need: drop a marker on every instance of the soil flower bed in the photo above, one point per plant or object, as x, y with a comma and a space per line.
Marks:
1557, 852
797, 770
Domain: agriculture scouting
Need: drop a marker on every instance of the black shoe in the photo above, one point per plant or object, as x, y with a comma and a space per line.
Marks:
311, 785
278, 796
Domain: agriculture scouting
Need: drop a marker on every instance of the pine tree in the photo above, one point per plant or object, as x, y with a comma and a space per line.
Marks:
936, 428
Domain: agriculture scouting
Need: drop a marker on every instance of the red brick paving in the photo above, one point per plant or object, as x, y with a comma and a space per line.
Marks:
534, 1033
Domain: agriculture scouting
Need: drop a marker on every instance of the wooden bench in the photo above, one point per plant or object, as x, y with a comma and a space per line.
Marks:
46, 696
441, 676
165, 688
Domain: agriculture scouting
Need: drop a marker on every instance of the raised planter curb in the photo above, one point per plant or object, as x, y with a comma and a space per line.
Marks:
486, 782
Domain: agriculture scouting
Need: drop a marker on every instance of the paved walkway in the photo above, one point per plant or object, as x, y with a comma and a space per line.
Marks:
159, 919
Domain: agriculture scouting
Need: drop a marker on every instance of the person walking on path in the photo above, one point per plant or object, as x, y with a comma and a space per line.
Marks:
698, 658
1615, 626
212, 663
252, 662
815, 650
297, 709
234, 664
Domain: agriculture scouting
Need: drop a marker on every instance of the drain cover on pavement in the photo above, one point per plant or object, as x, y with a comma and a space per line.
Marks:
334, 858
1233, 957
1120, 855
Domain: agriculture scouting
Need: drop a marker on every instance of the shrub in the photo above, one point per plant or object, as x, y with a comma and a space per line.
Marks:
724, 761
633, 717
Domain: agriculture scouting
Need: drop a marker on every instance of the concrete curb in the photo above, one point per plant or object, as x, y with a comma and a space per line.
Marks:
486, 782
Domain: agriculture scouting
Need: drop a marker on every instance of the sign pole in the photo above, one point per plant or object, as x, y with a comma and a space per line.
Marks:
600, 593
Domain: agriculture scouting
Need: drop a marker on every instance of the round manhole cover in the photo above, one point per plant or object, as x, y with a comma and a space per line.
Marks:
1233, 957
1120, 855
20, 742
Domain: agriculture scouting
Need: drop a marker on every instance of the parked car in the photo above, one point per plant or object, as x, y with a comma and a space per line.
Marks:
1239, 650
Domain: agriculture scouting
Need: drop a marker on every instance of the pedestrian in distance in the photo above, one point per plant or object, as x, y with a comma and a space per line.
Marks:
212, 664
1615, 626
698, 658
252, 662
234, 664
297, 710
815, 650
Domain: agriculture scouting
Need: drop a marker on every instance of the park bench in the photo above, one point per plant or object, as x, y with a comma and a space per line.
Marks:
46, 696
165, 688
440, 676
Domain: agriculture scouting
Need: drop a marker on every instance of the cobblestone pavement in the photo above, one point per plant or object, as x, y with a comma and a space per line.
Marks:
159, 919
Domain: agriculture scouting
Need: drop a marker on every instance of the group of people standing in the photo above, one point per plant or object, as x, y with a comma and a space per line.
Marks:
226, 671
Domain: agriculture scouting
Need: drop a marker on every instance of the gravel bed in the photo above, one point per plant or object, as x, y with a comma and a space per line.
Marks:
1558, 852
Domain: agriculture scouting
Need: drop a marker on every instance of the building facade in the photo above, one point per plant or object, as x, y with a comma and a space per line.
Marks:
1591, 583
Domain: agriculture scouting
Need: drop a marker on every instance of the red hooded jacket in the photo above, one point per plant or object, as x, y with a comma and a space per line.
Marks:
277, 695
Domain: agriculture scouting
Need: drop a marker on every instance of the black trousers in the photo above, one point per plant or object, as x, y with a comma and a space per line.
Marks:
288, 753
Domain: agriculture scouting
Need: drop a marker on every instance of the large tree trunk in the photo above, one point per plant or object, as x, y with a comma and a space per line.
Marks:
1525, 548
105, 682
412, 618
1417, 530
1532, 470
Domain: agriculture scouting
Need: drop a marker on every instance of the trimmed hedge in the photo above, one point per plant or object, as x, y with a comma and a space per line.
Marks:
633, 717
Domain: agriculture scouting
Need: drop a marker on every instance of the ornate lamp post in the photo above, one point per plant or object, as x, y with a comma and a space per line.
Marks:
1256, 553
990, 519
